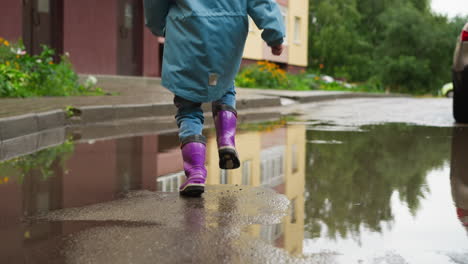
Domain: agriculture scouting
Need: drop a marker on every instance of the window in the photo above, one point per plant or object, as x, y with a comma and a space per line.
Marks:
171, 182
297, 30
272, 166
271, 233
223, 177
246, 172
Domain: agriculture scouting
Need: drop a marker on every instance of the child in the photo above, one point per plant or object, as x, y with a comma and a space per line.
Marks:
203, 50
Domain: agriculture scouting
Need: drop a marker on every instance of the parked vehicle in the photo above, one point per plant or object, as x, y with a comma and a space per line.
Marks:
447, 90
460, 78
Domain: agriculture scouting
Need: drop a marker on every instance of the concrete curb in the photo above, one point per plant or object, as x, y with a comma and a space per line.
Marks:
31, 143
16, 126
19, 126
105, 113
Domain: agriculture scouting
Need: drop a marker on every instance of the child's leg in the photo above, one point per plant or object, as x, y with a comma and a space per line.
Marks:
190, 122
225, 117
189, 118
228, 99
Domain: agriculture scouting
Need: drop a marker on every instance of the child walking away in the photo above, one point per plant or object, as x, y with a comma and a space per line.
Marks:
203, 50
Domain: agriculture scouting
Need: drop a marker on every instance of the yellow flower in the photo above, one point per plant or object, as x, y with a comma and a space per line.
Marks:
317, 78
51, 62
6, 180
6, 43
27, 234
7, 63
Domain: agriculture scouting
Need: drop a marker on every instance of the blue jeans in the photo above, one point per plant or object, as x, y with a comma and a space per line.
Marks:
190, 117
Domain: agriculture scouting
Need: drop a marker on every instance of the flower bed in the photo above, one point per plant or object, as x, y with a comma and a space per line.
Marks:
26, 75
268, 75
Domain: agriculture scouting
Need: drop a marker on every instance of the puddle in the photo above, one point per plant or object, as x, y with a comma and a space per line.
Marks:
391, 193
117, 199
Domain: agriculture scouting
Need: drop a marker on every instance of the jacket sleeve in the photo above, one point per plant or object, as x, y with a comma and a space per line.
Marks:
267, 16
155, 15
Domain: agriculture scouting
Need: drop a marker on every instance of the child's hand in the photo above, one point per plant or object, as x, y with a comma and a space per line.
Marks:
277, 50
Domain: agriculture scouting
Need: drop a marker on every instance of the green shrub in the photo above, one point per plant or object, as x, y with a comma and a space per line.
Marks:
262, 75
268, 75
24, 75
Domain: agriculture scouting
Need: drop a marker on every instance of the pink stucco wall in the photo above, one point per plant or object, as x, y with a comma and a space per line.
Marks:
11, 20
151, 54
90, 35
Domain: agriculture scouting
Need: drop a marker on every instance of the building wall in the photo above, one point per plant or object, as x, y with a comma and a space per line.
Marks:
295, 184
11, 20
298, 48
90, 35
254, 44
295, 52
151, 54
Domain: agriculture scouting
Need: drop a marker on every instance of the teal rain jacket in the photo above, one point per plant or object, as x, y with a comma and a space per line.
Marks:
205, 40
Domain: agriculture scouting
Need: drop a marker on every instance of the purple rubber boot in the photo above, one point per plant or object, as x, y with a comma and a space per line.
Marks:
193, 154
225, 123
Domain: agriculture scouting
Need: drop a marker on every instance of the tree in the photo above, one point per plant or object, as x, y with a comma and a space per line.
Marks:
396, 43
335, 42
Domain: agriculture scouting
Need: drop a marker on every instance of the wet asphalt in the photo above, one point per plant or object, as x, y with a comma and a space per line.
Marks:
348, 181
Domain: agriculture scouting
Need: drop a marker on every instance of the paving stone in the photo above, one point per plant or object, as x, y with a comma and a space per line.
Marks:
51, 119
95, 114
134, 111
164, 109
245, 103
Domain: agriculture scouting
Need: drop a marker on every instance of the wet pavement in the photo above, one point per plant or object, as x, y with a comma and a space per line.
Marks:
356, 182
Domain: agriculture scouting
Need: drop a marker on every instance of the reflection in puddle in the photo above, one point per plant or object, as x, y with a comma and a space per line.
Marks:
97, 174
375, 194
383, 196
